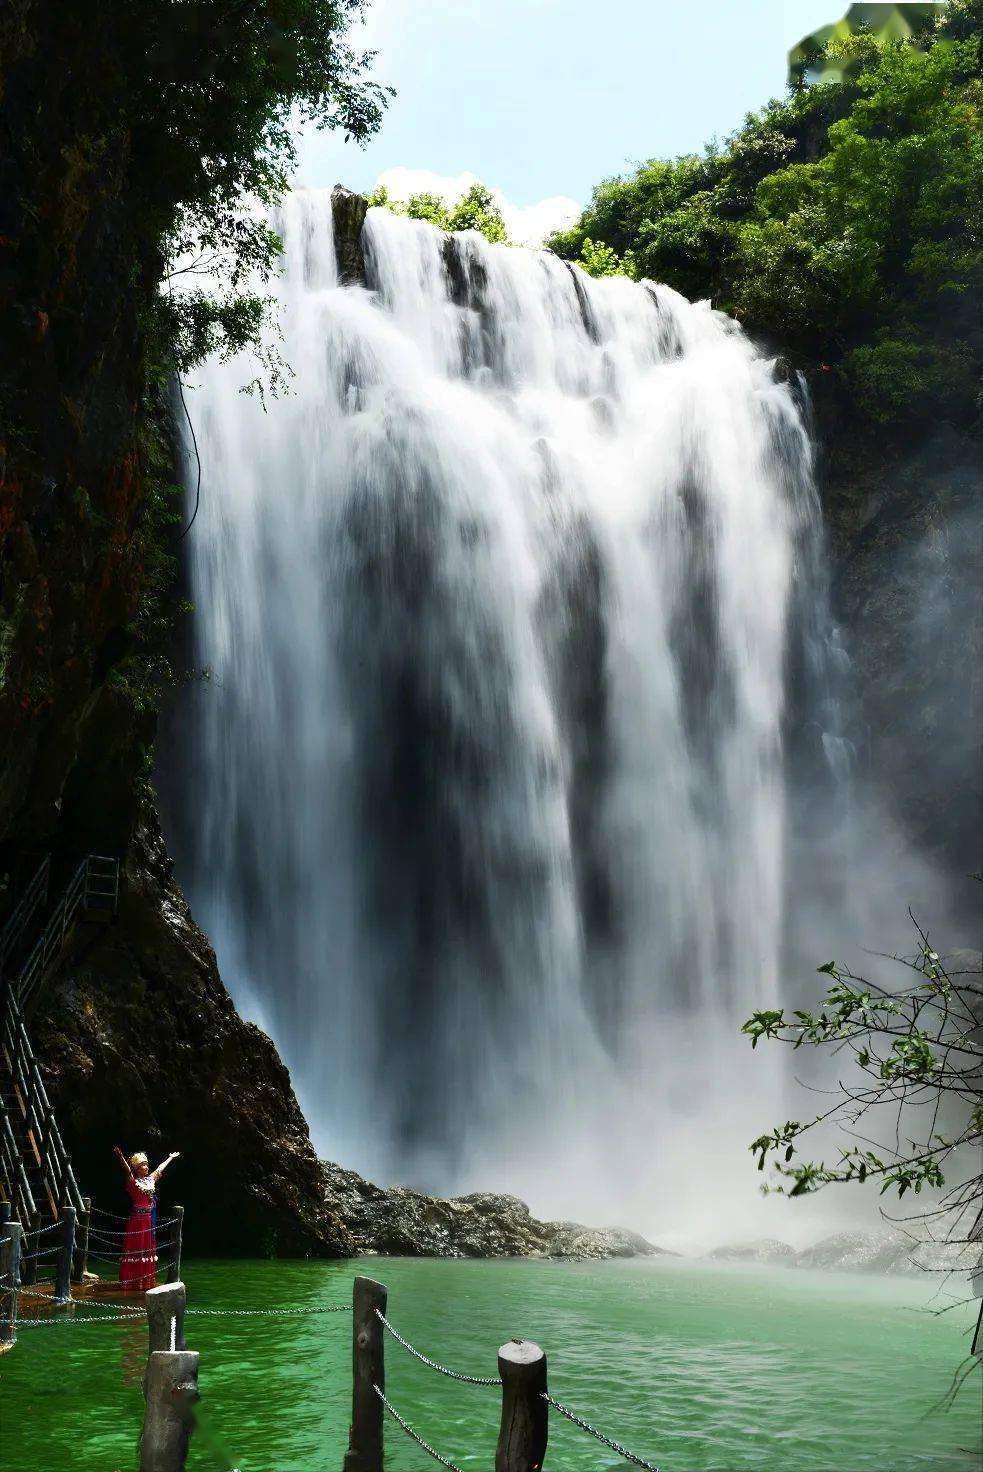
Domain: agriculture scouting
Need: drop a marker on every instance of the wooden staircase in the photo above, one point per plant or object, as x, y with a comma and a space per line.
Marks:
36, 1177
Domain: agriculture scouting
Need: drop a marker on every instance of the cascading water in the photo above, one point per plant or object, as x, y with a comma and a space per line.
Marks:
487, 783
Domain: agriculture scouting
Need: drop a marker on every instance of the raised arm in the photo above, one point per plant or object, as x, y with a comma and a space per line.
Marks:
164, 1164
122, 1160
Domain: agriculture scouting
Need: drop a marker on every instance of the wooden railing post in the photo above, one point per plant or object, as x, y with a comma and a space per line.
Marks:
30, 1242
10, 1235
165, 1308
171, 1384
368, 1371
66, 1251
525, 1414
81, 1266
174, 1265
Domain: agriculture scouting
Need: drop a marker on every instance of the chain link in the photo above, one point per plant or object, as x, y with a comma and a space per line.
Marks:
129, 1308
108, 1231
592, 1430
40, 1231
276, 1313
452, 1467
432, 1364
234, 1313
114, 1216
94, 1319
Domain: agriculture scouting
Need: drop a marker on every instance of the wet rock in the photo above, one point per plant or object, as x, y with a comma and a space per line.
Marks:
140, 1044
349, 211
761, 1249
399, 1221
887, 1250
903, 524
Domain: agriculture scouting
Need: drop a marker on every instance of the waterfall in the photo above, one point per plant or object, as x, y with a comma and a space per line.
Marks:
487, 775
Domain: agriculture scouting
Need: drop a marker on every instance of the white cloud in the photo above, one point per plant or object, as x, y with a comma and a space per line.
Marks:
526, 224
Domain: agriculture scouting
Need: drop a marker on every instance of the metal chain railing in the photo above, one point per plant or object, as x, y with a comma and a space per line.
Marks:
40, 1231
425, 1445
234, 1313
92, 1319
88, 1302
167, 1221
432, 1364
274, 1313
615, 1446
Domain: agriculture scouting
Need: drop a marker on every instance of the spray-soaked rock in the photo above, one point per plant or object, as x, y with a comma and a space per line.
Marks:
401, 1222
349, 211
761, 1249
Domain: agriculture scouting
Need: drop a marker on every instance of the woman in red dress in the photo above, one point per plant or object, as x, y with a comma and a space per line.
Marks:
138, 1264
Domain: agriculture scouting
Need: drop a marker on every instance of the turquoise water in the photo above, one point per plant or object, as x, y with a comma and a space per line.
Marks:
697, 1368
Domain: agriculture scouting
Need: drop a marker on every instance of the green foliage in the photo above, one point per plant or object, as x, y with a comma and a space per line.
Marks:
917, 1057
476, 210
599, 259
845, 222
210, 96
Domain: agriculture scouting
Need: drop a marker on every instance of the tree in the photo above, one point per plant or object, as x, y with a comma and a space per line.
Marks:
143, 141
916, 1078
598, 259
842, 222
475, 210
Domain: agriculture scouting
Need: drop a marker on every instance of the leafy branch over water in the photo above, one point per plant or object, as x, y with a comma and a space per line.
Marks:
917, 1052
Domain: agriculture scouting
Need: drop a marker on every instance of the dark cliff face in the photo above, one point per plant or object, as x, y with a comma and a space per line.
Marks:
905, 532
137, 1036
142, 1045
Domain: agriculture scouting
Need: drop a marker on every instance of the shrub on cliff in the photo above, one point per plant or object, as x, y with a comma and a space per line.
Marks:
475, 210
843, 222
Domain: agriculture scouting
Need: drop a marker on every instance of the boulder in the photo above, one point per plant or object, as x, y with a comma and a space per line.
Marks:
887, 1250
760, 1249
400, 1222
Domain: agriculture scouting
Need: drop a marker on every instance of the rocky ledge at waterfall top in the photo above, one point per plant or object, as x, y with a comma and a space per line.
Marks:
400, 1222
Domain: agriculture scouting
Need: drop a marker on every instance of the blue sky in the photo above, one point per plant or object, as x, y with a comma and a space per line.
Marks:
543, 98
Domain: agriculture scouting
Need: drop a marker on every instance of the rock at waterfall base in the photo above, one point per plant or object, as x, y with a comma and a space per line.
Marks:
872, 1250
400, 1222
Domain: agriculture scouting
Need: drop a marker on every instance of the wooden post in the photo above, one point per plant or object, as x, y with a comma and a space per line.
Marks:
174, 1265
30, 1243
525, 1414
168, 1421
165, 1305
368, 1370
82, 1241
10, 1235
66, 1251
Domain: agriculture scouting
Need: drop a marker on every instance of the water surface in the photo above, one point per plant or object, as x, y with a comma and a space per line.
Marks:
697, 1368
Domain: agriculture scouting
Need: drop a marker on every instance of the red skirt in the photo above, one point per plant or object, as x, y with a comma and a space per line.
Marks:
138, 1265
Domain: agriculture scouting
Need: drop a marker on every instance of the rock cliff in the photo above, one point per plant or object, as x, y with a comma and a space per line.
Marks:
141, 1044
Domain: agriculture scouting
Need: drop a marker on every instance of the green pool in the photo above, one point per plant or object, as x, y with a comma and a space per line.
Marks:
697, 1368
